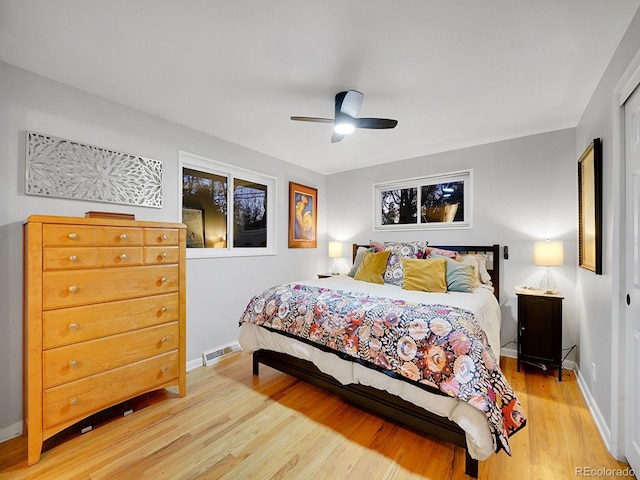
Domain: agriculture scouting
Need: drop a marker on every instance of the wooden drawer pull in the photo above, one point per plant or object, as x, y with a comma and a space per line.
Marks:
73, 326
73, 289
73, 258
164, 369
72, 236
163, 309
123, 256
164, 339
123, 236
164, 254
72, 363
73, 401
163, 279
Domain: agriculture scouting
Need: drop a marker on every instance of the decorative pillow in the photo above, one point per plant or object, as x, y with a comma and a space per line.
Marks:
372, 267
427, 275
439, 251
459, 277
399, 250
377, 245
479, 262
358, 260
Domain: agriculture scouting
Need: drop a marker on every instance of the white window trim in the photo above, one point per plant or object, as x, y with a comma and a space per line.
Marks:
197, 162
417, 182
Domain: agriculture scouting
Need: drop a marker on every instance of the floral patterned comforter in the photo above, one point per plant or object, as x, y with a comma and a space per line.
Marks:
437, 347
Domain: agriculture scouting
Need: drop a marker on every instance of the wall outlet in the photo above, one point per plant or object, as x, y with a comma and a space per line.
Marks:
593, 372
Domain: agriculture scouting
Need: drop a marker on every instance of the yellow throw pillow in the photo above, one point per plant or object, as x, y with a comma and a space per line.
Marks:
373, 266
428, 275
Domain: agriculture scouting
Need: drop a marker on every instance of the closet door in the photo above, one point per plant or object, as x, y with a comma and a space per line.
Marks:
632, 328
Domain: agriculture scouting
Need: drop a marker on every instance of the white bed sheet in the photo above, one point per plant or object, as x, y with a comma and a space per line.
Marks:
481, 302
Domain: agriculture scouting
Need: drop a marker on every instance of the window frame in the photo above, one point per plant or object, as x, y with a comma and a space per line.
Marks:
231, 172
465, 176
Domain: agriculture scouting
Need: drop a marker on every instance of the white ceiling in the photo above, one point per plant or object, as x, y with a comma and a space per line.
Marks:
453, 73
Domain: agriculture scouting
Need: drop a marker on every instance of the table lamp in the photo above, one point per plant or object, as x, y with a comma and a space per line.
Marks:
548, 254
335, 252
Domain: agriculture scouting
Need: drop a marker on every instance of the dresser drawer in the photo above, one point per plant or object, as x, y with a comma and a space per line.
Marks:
64, 364
77, 324
83, 397
70, 257
67, 235
161, 255
161, 236
120, 236
83, 287
120, 256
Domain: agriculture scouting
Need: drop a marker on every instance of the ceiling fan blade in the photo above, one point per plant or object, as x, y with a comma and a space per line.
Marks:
313, 119
375, 123
336, 137
348, 102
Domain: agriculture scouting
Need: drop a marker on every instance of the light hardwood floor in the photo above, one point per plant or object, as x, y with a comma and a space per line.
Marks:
233, 425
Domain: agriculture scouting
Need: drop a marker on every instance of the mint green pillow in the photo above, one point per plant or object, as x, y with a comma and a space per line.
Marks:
459, 277
358, 260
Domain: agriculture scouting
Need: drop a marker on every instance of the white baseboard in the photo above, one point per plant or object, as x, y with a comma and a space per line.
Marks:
10, 431
195, 363
605, 433
509, 352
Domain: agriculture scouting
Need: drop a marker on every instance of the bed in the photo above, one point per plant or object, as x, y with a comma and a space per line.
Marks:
437, 398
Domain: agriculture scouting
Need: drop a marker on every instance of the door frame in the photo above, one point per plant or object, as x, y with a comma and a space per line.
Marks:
628, 82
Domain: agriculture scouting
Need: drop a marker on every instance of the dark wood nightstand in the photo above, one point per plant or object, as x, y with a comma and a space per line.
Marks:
540, 328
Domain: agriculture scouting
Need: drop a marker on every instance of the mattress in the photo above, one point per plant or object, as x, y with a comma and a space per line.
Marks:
482, 303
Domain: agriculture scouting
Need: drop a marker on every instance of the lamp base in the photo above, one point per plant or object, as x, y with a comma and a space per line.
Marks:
548, 283
335, 267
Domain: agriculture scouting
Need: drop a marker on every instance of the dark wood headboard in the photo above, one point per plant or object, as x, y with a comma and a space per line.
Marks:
492, 252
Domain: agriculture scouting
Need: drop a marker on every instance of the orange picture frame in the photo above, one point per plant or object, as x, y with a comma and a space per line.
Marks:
303, 216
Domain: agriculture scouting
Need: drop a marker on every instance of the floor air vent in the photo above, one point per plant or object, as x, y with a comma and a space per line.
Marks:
212, 356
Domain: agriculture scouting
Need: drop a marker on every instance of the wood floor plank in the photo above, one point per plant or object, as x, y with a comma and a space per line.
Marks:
232, 424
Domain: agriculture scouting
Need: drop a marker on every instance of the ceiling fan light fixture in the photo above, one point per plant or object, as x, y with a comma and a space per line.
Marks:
345, 119
344, 128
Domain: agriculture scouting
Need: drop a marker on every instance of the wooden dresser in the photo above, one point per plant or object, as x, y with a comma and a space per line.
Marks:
104, 317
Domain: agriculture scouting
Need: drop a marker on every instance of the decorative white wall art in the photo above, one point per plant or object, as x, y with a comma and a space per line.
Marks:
57, 167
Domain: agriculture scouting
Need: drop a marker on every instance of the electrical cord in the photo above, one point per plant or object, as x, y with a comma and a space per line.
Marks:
568, 350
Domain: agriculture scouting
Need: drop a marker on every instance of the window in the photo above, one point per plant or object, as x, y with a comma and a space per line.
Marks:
434, 202
224, 221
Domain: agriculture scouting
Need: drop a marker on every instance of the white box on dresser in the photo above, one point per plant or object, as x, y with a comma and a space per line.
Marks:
104, 317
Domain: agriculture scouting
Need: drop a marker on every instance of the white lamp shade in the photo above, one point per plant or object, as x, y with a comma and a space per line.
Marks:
335, 249
548, 254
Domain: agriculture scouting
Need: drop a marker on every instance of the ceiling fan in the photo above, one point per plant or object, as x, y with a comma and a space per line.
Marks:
345, 121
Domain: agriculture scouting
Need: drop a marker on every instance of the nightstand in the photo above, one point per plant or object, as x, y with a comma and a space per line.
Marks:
540, 328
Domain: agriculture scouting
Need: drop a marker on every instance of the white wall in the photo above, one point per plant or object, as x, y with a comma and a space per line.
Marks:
523, 190
217, 289
598, 308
